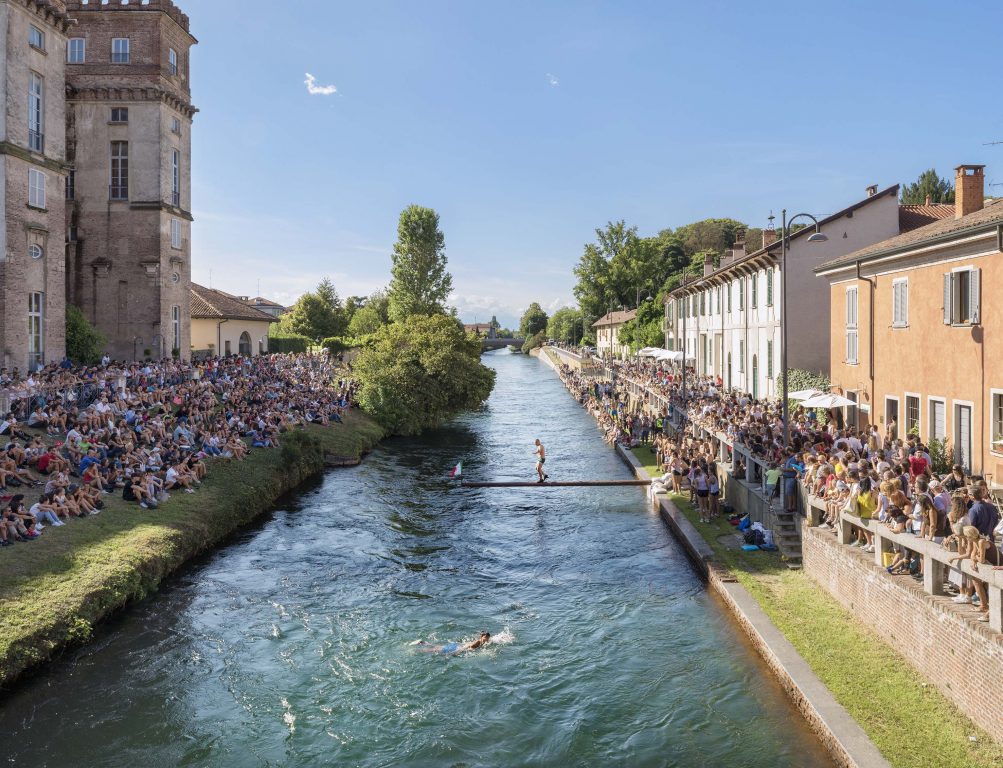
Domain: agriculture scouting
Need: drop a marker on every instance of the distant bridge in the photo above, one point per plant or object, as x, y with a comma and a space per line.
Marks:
487, 344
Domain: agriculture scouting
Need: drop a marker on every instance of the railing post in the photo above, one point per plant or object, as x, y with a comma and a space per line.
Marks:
995, 602
845, 529
934, 575
879, 546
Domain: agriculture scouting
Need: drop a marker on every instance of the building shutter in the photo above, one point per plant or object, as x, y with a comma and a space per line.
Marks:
973, 296
948, 298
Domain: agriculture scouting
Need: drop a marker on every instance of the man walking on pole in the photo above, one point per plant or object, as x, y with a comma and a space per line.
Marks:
541, 457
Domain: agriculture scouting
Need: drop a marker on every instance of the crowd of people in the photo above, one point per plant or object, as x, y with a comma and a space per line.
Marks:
76, 435
875, 477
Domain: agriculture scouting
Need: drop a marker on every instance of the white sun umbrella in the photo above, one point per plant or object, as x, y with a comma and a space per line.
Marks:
649, 352
804, 394
827, 401
668, 354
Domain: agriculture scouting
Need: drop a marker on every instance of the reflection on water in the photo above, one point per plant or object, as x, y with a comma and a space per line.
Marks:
297, 644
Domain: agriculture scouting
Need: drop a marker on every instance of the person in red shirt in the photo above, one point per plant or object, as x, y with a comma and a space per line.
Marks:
917, 463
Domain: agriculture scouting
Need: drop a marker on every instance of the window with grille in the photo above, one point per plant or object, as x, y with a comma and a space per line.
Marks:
172, 61
911, 414
119, 189
36, 330
900, 302
120, 114
76, 50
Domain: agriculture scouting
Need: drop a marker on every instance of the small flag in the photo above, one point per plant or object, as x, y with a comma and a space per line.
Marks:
457, 470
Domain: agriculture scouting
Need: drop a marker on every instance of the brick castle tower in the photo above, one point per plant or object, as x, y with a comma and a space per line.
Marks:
128, 187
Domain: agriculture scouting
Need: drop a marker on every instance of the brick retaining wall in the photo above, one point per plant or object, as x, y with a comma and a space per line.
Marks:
962, 657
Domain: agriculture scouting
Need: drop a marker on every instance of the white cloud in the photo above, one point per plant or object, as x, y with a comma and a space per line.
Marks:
552, 79
318, 90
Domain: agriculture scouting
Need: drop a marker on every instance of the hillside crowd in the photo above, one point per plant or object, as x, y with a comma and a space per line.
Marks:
75, 435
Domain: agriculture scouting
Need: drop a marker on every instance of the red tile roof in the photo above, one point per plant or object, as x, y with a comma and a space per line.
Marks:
915, 216
211, 304
615, 318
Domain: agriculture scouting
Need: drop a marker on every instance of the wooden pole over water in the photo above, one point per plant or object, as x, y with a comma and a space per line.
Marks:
553, 484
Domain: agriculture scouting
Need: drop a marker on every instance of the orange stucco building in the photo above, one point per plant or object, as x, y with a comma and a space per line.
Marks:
913, 329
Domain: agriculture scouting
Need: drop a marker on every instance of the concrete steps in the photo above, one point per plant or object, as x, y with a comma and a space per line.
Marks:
788, 539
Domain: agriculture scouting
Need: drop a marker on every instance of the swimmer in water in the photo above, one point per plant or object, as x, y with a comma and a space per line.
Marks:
451, 648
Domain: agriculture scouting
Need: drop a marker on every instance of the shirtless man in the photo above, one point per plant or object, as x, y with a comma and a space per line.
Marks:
451, 648
541, 457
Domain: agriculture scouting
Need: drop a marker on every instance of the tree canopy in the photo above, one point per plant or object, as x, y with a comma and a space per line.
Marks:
316, 315
415, 375
928, 184
566, 325
420, 284
645, 329
534, 320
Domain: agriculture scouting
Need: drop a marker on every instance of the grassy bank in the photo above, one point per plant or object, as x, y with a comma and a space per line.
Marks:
53, 590
910, 721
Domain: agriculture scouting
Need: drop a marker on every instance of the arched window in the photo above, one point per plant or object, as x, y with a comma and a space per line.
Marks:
245, 344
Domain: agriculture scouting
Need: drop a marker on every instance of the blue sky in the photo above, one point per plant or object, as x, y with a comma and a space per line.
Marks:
526, 125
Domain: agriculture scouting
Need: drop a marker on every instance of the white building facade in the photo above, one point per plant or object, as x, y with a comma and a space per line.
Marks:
608, 333
729, 320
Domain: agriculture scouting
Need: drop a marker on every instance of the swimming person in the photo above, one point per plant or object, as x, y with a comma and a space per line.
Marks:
541, 457
452, 648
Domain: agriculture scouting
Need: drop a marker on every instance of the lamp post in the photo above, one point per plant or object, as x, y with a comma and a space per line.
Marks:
816, 237
637, 296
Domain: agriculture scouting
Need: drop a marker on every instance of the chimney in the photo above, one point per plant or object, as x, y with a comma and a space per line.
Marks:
927, 199
969, 189
872, 190
708, 264
769, 236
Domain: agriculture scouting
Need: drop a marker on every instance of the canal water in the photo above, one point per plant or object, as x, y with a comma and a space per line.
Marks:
295, 644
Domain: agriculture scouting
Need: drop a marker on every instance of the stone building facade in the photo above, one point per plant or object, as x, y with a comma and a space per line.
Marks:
32, 178
128, 150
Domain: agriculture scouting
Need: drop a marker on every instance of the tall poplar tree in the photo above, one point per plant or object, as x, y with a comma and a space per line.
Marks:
420, 282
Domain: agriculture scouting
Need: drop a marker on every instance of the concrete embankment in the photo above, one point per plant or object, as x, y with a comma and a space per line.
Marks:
54, 590
838, 731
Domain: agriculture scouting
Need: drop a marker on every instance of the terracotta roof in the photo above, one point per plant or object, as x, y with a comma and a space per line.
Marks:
942, 229
771, 251
915, 216
615, 318
211, 304
264, 301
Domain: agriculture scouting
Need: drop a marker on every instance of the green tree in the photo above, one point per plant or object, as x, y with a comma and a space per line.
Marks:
366, 320
420, 284
534, 320
415, 376
928, 184
380, 302
84, 343
565, 325
645, 329
316, 315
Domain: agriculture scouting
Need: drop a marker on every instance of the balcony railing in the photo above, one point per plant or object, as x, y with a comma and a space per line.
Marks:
118, 192
36, 141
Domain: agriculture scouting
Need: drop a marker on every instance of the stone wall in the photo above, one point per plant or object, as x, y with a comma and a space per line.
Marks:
963, 658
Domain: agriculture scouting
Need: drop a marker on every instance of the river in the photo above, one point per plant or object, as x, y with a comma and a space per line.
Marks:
294, 645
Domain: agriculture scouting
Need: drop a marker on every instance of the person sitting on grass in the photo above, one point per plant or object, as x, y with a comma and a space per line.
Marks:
42, 512
178, 478
16, 528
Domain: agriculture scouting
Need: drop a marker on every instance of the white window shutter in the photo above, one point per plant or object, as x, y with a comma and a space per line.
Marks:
948, 298
973, 296
905, 303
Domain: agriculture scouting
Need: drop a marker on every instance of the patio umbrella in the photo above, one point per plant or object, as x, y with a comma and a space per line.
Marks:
827, 401
804, 394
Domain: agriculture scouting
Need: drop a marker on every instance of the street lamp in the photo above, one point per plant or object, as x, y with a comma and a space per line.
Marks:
815, 237
637, 297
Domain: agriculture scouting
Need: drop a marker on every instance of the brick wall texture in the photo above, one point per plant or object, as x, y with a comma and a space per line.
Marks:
962, 658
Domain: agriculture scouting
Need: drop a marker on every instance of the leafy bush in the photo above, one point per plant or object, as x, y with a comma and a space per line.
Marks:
534, 341
84, 342
417, 373
287, 342
336, 344
941, 459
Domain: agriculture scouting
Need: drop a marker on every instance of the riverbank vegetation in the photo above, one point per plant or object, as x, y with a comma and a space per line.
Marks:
875, 684
53, 590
